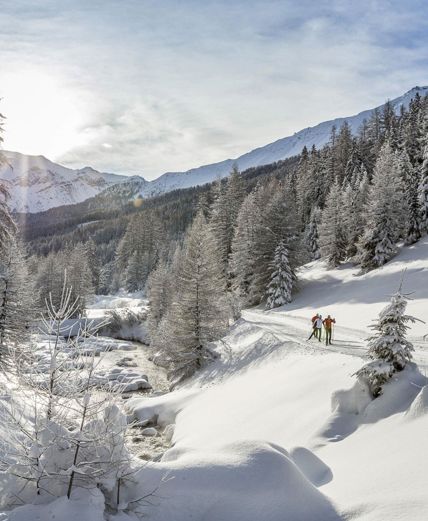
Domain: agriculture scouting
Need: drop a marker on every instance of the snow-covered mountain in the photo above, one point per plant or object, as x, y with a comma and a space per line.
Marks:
280, 149
37, 184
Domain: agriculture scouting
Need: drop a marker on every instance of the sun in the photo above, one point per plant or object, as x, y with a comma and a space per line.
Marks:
44, 115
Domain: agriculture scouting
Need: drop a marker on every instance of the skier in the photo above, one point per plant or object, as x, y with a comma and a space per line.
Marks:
328, 326
316, 327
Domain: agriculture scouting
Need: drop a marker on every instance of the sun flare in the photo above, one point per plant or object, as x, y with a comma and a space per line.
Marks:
44, 116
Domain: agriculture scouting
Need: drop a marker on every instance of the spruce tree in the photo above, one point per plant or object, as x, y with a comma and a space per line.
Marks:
282, 280
388, 347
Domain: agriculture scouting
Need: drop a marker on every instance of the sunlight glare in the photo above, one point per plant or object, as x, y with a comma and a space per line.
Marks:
44, 116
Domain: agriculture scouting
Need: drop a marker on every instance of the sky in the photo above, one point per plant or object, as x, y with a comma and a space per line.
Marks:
145, 87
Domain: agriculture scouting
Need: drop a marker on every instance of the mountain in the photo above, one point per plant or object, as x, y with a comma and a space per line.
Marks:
36, 184
280, 149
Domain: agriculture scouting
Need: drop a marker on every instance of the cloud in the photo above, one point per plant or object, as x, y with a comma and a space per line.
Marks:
172, 85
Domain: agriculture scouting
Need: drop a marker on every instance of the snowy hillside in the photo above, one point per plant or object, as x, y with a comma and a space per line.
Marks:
37, 184
277, 428
281, 149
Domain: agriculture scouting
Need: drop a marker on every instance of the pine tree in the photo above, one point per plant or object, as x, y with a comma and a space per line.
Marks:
388, 347
282, 280
384, 213
332, 233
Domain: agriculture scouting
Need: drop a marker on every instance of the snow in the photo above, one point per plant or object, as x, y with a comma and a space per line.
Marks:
276, 413
277, 427
83, 506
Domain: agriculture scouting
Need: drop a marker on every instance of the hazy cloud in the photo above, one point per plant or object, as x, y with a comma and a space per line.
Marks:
171, 85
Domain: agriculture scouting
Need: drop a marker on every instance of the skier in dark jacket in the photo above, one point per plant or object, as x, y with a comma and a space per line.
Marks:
328, 326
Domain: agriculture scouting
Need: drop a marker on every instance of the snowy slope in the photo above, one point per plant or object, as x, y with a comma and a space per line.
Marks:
37, 184
281, 149
277, 428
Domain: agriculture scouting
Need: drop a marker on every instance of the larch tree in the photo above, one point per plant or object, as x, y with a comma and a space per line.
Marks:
197, 314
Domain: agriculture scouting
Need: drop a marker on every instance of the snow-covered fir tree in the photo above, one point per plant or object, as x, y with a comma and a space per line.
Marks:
282, 280
385, 211
388, 347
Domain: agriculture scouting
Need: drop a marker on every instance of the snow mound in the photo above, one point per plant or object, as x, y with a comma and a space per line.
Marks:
83, 506
315, 470
419, 406
241, 481
159, 410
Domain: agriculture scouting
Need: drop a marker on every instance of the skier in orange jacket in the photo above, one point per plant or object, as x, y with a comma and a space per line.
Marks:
328, 326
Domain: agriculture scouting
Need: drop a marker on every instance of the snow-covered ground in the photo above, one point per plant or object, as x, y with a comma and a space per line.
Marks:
277, 428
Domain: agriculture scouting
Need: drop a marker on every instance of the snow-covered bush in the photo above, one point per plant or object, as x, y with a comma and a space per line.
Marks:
388, 347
